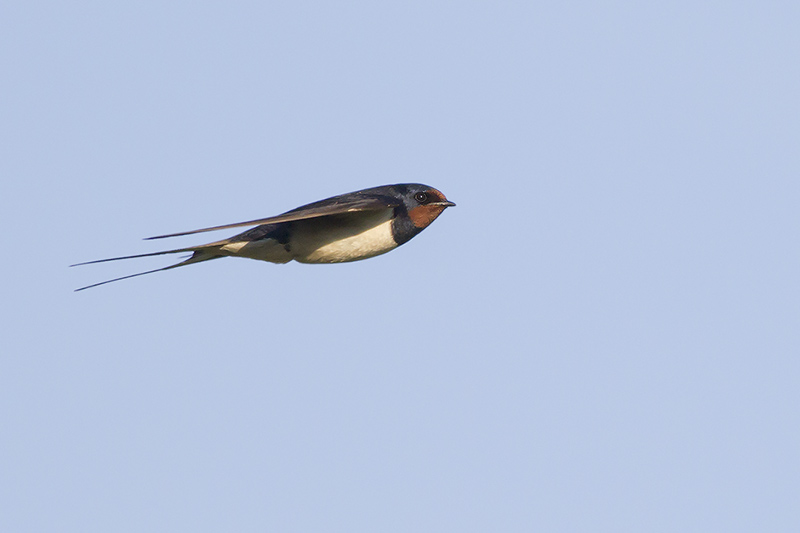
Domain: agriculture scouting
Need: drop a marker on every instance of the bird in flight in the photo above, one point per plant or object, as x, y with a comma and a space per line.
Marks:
348, 227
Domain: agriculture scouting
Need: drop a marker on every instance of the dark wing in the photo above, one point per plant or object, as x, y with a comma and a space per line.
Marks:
346, 203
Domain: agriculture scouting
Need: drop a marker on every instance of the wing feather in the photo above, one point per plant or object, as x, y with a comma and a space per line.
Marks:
337, 205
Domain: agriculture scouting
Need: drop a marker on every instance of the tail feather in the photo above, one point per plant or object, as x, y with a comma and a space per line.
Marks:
152, 254
198, 256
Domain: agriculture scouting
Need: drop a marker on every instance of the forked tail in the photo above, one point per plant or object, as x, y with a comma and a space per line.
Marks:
199, 254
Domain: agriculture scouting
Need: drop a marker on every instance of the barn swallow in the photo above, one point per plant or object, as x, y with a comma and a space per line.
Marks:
348, 227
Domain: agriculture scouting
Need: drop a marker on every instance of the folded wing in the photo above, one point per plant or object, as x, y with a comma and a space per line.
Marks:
332, 206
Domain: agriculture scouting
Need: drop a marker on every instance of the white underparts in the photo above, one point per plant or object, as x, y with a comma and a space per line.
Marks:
348, 238
262, 250
334, 239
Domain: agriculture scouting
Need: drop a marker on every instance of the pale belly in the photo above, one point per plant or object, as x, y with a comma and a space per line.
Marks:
261, 250
335, 239
343, 239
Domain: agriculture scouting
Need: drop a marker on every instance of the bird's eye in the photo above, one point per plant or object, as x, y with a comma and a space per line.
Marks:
421, 197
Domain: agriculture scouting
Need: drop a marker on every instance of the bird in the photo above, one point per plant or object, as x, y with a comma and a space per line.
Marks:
344, 228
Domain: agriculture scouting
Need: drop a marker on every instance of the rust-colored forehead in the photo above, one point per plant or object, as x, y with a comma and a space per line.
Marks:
437, 195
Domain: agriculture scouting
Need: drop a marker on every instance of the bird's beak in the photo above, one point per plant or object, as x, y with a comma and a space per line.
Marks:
446, 203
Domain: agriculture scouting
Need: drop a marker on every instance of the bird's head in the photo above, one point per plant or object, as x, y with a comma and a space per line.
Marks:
423, 204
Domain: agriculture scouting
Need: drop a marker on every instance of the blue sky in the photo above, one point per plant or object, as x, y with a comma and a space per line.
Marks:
602, 336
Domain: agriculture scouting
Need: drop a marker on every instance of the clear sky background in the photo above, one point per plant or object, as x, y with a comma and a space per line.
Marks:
604, 334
